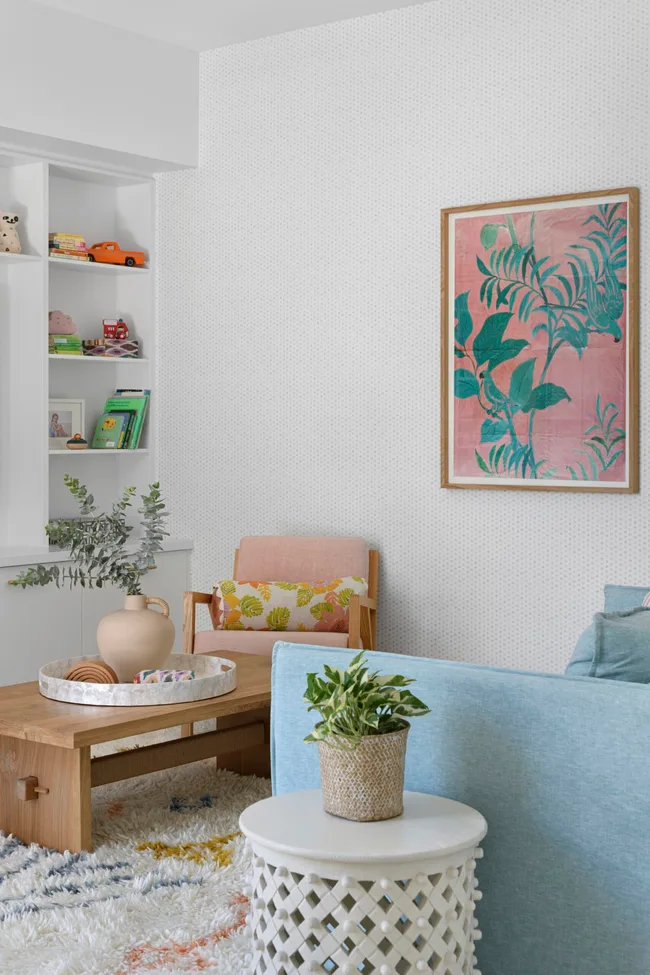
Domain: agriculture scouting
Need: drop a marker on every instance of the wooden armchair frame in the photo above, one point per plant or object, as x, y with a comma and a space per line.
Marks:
363, 611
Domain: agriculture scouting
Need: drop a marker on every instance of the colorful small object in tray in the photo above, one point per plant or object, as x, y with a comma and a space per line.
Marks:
110, 252
162, 676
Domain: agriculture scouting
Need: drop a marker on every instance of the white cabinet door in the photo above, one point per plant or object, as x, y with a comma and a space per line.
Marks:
36, 626
169, 580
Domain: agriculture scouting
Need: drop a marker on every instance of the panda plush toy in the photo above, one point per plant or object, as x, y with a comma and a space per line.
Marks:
9, 239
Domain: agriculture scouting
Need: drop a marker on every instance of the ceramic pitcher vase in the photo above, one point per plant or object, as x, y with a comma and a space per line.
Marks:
136, 638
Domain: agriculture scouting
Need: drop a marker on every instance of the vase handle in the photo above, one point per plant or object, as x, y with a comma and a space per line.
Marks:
159, 602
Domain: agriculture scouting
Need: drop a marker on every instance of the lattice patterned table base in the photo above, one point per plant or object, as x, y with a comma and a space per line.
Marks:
305, 922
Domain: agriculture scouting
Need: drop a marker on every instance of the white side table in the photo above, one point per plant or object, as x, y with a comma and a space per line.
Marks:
387, 898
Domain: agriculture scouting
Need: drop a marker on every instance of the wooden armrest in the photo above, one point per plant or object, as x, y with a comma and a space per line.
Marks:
199, 597
362, 623
190, 602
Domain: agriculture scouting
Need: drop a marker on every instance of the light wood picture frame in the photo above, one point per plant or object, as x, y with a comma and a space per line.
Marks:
540, 331
63, 416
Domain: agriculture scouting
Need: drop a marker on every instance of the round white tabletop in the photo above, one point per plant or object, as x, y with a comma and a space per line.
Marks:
296, 823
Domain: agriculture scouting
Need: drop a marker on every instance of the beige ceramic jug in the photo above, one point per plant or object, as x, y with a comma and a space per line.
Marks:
136, 638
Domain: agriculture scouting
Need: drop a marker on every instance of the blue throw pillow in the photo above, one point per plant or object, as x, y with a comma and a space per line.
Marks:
618, 598
616, 647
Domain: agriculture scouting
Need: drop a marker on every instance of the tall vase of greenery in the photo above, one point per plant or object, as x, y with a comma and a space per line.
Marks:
362, 739
102, 554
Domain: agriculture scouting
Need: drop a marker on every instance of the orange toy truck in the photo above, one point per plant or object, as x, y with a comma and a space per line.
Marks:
110, 252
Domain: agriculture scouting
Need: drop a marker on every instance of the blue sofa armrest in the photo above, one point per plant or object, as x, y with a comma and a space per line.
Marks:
560, 768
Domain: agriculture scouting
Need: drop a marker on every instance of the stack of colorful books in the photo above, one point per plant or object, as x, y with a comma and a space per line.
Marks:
72, 247
120, 425
64, 345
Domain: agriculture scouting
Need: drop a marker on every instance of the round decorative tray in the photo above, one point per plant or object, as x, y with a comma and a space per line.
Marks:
214, 676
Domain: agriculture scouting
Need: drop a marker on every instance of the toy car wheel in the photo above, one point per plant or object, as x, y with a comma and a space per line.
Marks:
91, 258
129, 262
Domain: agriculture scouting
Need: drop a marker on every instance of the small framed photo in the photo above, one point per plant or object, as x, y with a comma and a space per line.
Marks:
65, 417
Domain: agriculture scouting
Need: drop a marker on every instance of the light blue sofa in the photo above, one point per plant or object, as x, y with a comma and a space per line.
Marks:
560, 768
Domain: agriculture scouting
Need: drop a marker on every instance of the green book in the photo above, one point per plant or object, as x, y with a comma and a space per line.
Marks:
110, 430
124, 402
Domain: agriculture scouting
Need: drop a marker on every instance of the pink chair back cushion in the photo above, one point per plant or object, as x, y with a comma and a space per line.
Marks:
261, 641
286, 558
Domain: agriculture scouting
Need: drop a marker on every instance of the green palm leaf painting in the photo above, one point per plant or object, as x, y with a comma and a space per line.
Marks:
538, 343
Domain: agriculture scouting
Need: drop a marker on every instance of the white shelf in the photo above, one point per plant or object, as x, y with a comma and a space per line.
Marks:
94, 358
94, 267
6, 258
95, 450
99, 206
31, 556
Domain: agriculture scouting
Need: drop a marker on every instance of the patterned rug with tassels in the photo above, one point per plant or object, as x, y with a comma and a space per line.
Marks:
162, 892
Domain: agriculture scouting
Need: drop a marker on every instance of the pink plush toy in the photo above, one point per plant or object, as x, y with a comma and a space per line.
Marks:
60, 324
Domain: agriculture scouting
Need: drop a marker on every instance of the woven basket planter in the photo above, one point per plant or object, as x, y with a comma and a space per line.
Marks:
366, 784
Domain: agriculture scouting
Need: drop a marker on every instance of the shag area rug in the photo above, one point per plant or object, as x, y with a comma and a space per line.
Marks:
162, 892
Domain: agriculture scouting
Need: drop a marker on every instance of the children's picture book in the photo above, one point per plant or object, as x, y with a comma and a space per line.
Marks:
110, 431
131, 405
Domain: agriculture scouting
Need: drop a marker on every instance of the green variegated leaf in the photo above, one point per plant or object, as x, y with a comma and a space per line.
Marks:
357, 702
278, 618
287, 586
304, 597
251, 606
334, 674
318, 609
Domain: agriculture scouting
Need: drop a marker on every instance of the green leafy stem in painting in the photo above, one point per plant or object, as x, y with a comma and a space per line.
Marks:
566, 307
600, 440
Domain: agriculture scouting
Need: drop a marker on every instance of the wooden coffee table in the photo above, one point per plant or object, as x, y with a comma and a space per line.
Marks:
46, 772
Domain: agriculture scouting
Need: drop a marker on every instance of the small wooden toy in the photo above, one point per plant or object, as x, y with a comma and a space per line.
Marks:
9, 239
110, 252
93, 672
77, 443
115, 328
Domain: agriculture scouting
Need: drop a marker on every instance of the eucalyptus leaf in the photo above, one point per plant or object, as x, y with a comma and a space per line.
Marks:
96, 543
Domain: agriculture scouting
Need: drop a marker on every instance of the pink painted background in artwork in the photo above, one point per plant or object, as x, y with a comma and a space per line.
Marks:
559, 429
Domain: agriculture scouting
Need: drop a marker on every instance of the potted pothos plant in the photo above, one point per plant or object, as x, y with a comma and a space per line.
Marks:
361, 738
102, 554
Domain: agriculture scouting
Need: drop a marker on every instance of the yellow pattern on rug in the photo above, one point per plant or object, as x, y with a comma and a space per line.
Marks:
214, 849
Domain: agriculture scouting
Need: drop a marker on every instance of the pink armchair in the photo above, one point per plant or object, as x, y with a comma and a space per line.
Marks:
293, 559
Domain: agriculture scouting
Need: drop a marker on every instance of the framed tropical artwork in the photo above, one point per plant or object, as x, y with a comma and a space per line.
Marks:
540, 343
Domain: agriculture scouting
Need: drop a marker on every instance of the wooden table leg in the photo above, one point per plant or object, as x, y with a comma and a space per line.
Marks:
59, 818
251, 761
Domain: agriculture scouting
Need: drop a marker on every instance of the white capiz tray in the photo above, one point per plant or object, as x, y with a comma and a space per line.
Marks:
214, 676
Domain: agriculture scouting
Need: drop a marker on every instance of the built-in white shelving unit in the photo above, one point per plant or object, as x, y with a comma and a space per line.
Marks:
89, 358
102, 206
90, 267
119, 454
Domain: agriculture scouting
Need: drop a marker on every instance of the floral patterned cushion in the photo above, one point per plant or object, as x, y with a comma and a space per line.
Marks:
292, 606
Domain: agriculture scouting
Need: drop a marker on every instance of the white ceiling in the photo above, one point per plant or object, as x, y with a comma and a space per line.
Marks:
205, 24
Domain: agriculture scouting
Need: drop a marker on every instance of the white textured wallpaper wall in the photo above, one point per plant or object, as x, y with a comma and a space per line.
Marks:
299, 304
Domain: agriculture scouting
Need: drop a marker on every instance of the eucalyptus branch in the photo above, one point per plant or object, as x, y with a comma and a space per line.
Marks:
97, 543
